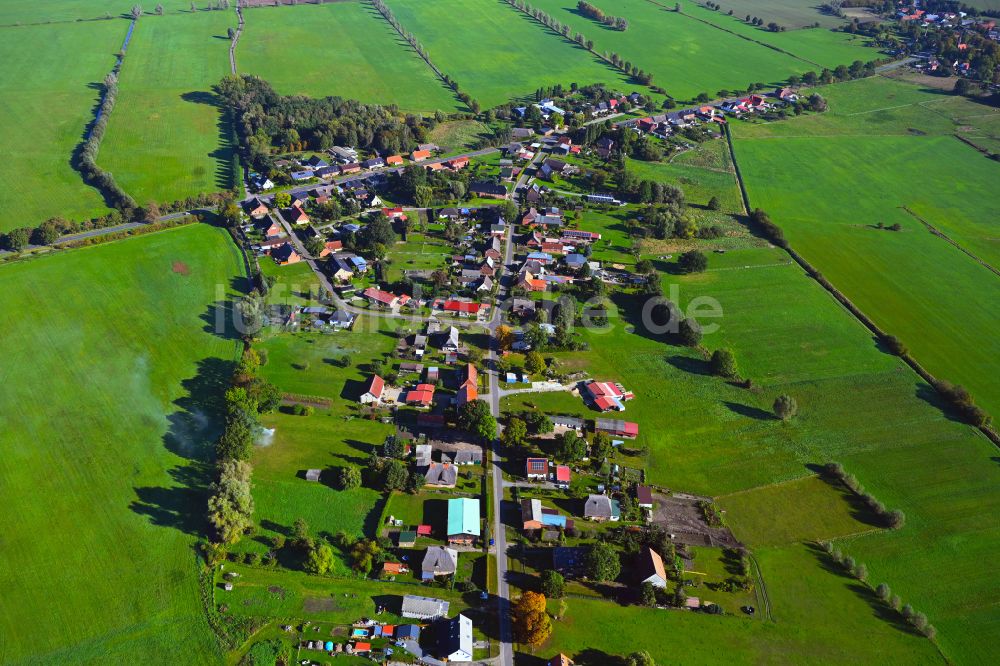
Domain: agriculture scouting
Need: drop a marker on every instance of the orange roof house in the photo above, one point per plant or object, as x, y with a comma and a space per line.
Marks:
394, 160
420, 155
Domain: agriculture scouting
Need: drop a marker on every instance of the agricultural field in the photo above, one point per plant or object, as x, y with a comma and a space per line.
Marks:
420, 252
818, 47
50, 90
686, 61
345, 49
455, 136
496, 53
916, 271
167, 139
100, 522
789, 13
25, 12
698, 175
806, 509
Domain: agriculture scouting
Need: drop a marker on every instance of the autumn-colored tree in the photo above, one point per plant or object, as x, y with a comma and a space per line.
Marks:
531, 621
505, 337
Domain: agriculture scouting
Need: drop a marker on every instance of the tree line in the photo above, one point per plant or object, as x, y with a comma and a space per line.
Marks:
412, 40
641, 76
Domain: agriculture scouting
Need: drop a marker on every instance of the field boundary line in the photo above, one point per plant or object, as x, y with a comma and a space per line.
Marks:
765, 486
940, 234
866, 321
736, 34
236, 39
423, 56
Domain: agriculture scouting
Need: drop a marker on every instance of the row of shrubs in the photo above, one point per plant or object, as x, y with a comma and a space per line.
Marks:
859, 571
894, 519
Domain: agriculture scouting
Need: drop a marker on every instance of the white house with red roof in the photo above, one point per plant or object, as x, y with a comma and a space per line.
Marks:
373, 391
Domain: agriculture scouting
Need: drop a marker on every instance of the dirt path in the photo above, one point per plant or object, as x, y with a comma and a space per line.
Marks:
236, 39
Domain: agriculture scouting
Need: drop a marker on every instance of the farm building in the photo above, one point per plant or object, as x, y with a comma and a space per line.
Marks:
441, 475
407, 539
424, 608
313, 474
463, 520
606, 396
617, 427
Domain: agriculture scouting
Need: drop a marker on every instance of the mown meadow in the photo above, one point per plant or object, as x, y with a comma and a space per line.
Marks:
167, 138
496, 53
50, 88
694, 56
882, 155
346, 49
110, 411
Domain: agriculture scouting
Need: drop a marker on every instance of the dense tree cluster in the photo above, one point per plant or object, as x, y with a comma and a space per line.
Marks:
267, 122
596, 13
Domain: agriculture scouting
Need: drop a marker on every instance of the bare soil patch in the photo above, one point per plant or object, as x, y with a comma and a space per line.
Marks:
318, 604
180, 268
681, 517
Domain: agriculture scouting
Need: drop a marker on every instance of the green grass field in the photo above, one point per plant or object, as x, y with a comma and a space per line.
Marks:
345, 49
941, 302
806, 509
109, 415
49, 97
166, 139
789, 13
693, 57
26, 12
818, 47
495, 53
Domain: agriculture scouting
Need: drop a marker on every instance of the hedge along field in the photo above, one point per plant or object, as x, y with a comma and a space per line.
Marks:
496, 53
345, 49
822, 47
685, 56
49, 93
939, 301
109, 415
166, 139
